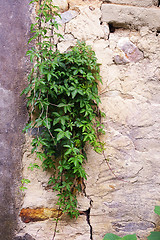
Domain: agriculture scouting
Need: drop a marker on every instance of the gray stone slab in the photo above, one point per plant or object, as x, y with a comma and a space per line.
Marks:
14, 31
67, 16
130, 16
138, 3
128, 52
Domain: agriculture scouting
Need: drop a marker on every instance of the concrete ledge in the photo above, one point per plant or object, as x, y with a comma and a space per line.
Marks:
138, 3
131, 17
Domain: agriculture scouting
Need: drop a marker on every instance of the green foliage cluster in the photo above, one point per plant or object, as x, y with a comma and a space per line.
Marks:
24, 181
63, 95
111, 236
152, 236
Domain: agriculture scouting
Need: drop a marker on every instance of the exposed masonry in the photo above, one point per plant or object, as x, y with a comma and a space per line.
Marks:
122, 16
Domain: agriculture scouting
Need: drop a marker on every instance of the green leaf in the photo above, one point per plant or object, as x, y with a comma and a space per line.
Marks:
56, 120
40, 155
68, 134
26, 90
64, 105
25, 180
75, 72
154, 236
60, 135
68, 152
58, 130
34, 37
61, 105
74, 93
111, 236
157, 210
47, 123
130, 237
27, 127
81, 71
33, 165
49, 76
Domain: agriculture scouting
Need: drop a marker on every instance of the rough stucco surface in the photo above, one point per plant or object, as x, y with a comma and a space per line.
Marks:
130, 98
139, 3
14, 28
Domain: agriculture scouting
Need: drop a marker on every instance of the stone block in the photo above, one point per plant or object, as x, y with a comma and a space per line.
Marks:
87, 3
39, 214
131, 16
67, 16
138, 3
127, 52
86, 25
62, 4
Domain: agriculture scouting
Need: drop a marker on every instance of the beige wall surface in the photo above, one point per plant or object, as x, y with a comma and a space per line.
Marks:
138, 3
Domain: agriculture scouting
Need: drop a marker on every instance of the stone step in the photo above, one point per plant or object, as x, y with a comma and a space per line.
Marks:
131, 16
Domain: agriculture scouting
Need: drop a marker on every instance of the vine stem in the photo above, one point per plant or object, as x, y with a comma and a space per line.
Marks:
56, 225
55, 229
47, 122
39, 26
52, 35
109, 165
105, 158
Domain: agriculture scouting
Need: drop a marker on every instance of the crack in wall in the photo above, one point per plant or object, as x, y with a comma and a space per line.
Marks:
87, 212
88, 221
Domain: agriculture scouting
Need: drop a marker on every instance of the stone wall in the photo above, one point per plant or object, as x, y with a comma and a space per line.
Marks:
125, 36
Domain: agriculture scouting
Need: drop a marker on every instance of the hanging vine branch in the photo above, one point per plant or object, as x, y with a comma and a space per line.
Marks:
63, 93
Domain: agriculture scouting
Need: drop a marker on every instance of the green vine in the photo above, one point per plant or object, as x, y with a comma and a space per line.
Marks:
63, 97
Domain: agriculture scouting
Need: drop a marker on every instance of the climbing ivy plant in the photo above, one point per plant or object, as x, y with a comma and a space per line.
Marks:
63, 97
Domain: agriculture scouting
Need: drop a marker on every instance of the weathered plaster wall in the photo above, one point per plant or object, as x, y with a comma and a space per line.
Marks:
14, 32
125, 36
138, 3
